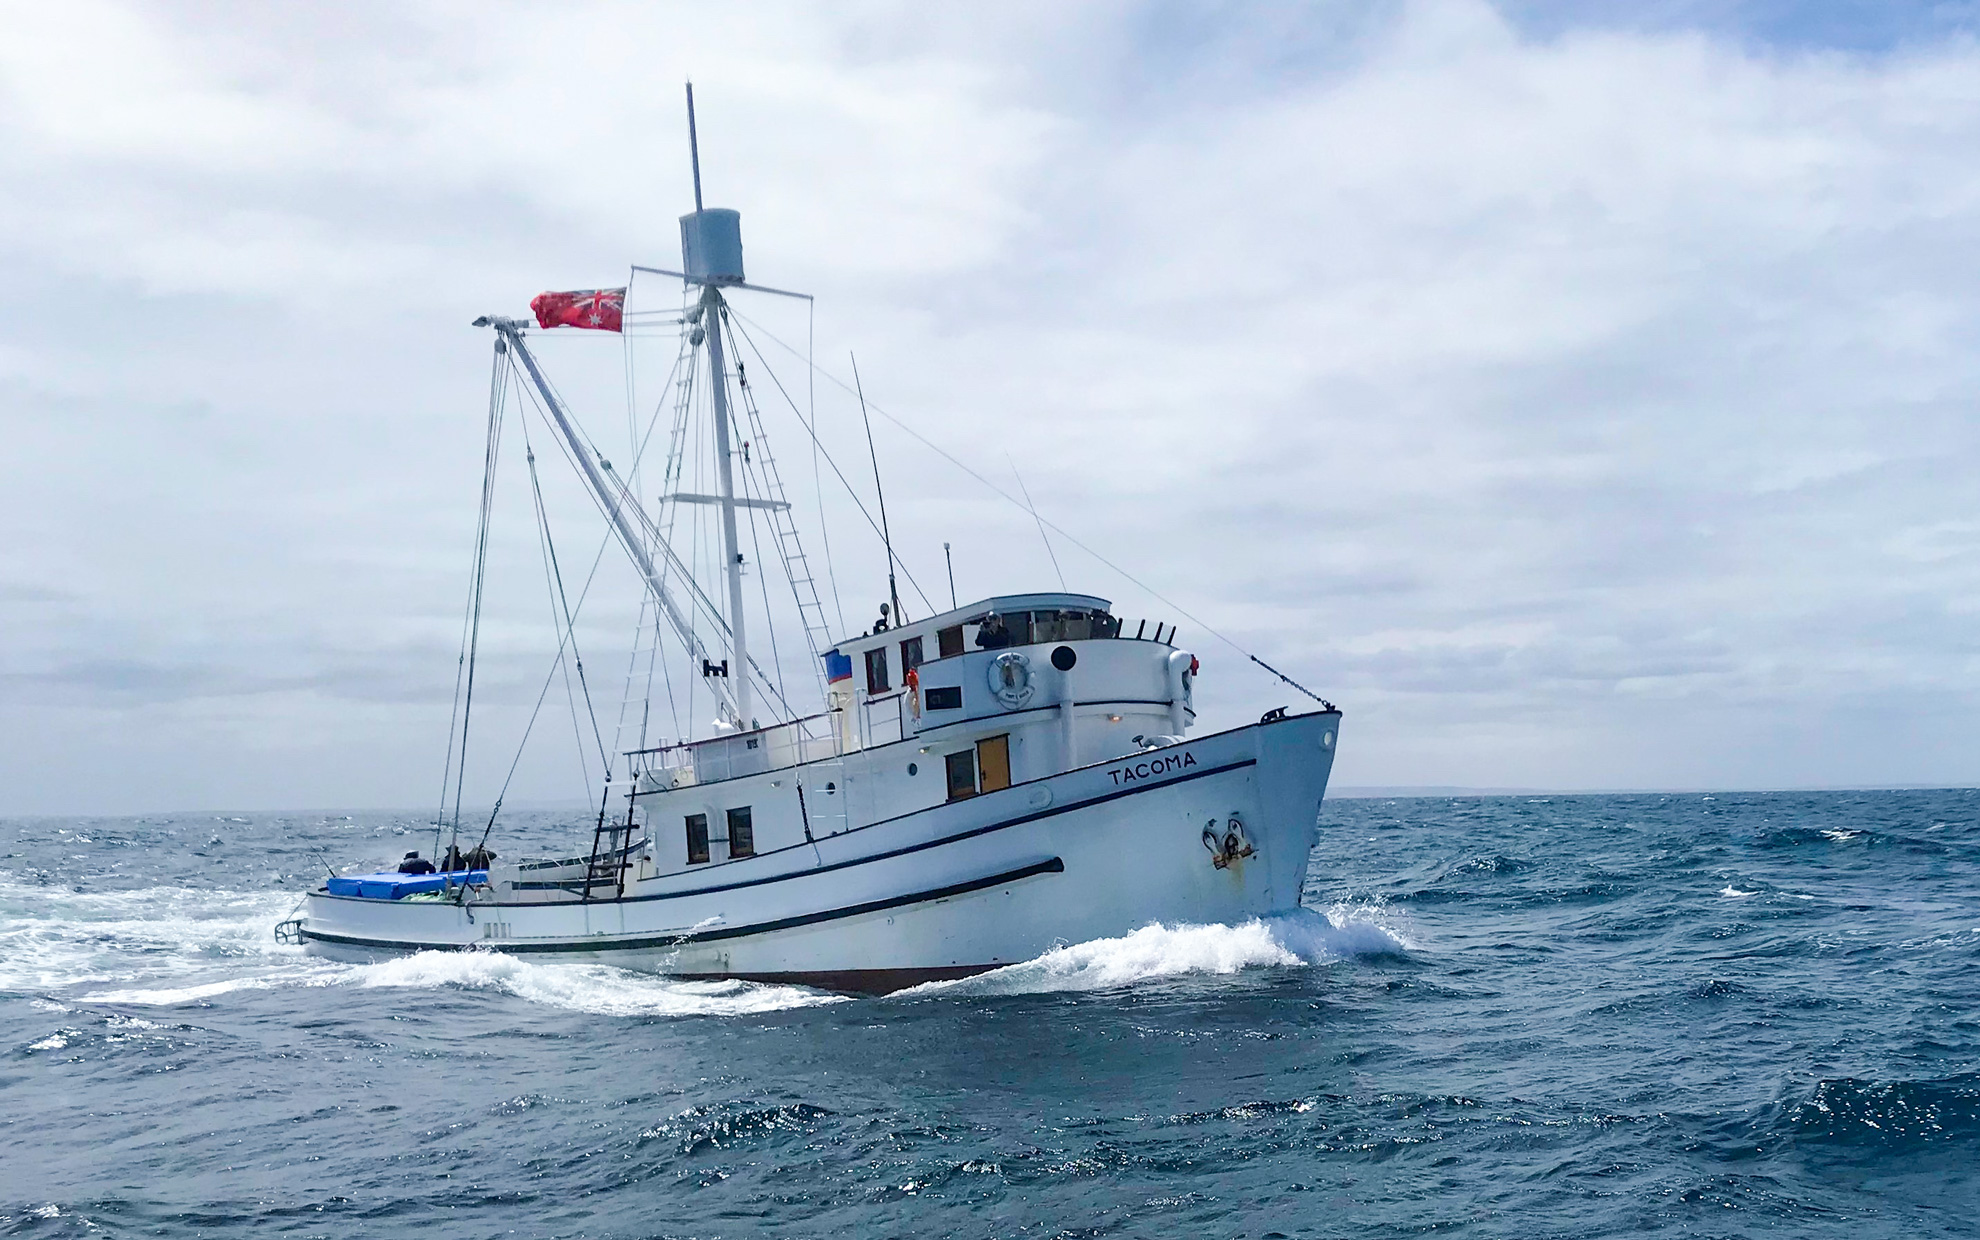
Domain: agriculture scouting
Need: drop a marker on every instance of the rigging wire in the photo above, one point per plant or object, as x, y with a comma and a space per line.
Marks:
489, 460
632, 505
756, 486
638, 443
554, 574
624, 497
498, 380
763, 584
591, 577
1034, 516
817, 484
818, 445
893, 591
1062, 532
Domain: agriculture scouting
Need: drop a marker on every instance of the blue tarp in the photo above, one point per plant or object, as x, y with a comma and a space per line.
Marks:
394, 886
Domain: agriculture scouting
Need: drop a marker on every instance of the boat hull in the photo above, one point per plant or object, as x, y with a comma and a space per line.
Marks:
945, 892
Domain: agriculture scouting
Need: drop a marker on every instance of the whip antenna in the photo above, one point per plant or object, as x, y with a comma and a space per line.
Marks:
694, 148
893, 591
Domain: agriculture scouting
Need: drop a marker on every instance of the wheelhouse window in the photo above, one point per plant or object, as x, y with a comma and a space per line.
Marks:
947, 698
910, 655
697, 838
949, 642
876, 671
962, 774
742, 834
993, 763
1062, 626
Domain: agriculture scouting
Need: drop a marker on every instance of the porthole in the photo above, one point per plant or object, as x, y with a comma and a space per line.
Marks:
1064, 657
1326, 740
911, 768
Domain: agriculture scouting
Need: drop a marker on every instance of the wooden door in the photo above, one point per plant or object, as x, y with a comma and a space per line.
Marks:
993, 763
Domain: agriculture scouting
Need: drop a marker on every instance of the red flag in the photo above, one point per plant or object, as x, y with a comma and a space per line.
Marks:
601, 309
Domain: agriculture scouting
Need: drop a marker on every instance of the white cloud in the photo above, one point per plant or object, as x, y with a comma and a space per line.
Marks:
1589, 409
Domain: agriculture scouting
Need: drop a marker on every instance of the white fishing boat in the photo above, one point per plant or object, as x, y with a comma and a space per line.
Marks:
970, 788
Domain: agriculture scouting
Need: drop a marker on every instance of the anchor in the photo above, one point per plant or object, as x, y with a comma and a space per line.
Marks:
1229, 845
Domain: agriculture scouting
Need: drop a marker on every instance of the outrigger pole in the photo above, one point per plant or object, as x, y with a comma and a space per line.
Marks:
615, 501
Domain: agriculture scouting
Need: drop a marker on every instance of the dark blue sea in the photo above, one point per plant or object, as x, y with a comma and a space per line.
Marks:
1685, 1015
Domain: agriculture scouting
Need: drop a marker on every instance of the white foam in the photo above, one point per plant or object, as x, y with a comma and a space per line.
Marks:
165, 946
166, 996
599, 989
52, 937
1730, 892
1157, 951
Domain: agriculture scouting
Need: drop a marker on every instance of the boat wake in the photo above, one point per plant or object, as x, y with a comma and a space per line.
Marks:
1157, 952
165, 947
171, 946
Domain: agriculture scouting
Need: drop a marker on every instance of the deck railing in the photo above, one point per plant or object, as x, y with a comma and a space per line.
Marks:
741, 753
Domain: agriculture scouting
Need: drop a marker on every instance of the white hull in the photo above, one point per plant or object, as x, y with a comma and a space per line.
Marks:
945, 891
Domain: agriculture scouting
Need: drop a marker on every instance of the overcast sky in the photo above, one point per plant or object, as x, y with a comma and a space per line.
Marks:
1577, 404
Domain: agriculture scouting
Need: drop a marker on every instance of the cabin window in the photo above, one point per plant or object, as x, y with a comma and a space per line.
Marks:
949, 642
1018, 624
697, 838
949, 698
742, 834
962, 774
876, 671
910, 655
993, 759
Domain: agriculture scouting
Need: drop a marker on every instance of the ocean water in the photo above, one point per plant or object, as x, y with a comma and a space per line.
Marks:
1732, 1015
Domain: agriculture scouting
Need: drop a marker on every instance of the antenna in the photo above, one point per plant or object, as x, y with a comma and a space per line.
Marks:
694, 148
950, 561
893, 591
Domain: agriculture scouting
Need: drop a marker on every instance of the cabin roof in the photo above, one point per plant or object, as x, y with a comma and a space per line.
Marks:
973, 612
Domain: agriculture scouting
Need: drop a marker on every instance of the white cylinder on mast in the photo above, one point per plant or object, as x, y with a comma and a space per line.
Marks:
711, 246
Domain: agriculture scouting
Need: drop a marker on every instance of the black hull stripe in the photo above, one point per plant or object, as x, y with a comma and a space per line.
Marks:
1049, 812
596, 943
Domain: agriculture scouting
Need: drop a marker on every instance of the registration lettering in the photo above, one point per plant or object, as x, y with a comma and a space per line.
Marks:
1134, 772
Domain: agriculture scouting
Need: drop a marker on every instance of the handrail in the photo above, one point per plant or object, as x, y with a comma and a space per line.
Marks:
729, 736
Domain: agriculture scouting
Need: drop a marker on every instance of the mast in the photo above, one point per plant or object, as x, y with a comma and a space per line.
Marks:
712, 310
711, 256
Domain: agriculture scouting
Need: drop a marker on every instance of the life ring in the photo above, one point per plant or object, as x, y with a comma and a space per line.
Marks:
1010, 679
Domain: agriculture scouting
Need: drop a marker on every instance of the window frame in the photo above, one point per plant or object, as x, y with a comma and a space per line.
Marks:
700, 820
949, 763
742, 832
949, 642
876, 659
